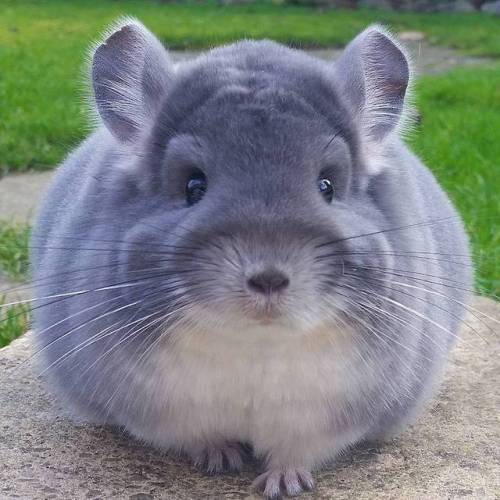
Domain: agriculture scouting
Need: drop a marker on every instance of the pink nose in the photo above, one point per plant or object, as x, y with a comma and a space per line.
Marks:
268, 281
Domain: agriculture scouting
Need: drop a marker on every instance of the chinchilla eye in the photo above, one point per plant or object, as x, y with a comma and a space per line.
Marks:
196, 187
325, 187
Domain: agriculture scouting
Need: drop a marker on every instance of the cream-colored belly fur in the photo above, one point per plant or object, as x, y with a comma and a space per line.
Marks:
265, 385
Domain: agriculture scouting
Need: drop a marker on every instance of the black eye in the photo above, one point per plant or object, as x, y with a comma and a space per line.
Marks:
325, 187
196, 187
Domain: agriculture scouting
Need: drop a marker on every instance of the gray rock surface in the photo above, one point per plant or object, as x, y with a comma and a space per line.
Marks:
452, 452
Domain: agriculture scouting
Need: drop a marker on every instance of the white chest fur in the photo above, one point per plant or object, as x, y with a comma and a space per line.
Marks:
264, 385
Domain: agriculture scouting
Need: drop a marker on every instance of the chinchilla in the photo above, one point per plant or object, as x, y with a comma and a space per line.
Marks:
245, 251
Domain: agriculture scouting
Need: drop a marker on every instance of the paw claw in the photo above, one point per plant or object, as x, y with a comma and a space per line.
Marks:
216, 459
215, 462
306, 479
286, 480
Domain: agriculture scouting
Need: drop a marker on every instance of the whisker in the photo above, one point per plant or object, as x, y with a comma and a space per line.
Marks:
130, 336
334, 136
111, 265
121, 341
400, 320
69, 296
118, 285
81, 326
392, 229
460, 320
422, 280
147, 244
144, 353
413, 311
467, 307
364, 305
395, 254
163, 288
110, 249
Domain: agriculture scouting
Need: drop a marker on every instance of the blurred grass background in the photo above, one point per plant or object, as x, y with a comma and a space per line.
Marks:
14, 321
459, 139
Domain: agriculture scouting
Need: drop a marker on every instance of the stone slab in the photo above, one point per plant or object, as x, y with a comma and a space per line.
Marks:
452, 452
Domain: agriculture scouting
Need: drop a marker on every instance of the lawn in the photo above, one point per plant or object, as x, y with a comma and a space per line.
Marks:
43, 46
14, 322
459, 139
13, 250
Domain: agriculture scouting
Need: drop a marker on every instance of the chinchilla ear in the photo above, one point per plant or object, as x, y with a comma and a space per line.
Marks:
131, 73
374, 75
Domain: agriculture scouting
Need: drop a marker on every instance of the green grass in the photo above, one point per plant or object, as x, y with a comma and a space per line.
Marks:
14, 321
14, 239
14, 250
43, 46
459, 139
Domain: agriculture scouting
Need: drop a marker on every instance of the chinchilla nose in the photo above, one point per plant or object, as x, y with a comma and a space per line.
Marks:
268, 282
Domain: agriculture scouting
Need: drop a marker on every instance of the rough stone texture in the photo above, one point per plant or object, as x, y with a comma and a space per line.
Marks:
452, 452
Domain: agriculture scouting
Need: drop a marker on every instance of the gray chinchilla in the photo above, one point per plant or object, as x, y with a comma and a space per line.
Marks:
244, 251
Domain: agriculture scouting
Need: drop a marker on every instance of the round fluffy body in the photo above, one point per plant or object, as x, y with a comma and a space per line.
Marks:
145, 319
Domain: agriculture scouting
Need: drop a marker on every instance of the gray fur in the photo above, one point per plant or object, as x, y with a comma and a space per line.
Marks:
166, 339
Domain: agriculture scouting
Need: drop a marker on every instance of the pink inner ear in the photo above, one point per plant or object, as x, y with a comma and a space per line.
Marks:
131, 73
387, 74
374, 73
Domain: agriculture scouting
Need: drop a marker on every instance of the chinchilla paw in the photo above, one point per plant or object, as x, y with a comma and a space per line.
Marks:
214, 459
291, 481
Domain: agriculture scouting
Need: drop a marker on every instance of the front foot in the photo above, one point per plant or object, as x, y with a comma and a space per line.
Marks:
279, 481
215, 459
